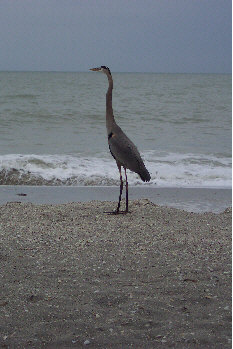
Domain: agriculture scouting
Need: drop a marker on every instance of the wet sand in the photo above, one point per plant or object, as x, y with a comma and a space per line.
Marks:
189, 199
73, 276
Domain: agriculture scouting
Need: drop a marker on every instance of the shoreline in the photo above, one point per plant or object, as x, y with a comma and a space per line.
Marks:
189, 199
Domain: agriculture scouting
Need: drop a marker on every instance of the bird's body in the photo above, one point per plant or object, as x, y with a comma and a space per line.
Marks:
121, 147
126, 153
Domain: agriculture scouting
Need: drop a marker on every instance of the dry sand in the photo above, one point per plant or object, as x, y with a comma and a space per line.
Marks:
74, 277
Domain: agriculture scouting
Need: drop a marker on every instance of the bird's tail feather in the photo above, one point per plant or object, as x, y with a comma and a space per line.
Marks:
145, 176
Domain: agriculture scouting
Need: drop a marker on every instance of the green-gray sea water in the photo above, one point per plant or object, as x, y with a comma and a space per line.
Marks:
52, 128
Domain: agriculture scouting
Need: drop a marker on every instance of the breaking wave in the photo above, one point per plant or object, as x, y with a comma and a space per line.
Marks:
167, 170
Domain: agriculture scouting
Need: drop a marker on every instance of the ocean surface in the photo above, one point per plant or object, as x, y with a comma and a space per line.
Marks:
52, 128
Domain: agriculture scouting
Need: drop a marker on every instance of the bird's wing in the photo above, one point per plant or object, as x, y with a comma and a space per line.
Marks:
124, 151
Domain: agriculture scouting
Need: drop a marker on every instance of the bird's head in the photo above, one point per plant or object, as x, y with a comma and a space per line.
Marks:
102, 69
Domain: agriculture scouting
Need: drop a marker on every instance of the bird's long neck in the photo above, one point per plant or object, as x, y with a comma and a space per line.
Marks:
109, 112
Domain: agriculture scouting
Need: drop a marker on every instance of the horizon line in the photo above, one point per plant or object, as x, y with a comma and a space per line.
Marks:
122, 72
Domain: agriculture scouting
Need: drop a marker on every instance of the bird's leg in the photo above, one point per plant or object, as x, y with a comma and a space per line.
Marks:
121, 188
127, 195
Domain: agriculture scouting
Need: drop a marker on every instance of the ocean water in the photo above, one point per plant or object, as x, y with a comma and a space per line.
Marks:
52, 128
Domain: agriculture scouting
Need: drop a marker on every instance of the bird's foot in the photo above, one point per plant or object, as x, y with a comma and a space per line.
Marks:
116, 212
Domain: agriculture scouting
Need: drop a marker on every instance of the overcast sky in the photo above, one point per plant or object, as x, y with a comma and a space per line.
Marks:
126, 35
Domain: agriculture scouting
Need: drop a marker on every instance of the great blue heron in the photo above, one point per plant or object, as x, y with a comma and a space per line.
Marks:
121, 147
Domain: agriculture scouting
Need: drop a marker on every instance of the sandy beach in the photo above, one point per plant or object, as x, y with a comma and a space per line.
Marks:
73, 276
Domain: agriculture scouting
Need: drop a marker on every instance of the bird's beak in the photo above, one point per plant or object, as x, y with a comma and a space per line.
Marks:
95, 69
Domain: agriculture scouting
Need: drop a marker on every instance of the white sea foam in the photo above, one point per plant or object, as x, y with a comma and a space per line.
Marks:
167, 170
190, 170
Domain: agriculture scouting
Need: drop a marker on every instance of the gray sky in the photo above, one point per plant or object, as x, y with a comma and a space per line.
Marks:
126, 35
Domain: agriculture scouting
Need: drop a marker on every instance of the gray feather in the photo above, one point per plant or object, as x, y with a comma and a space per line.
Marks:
126, 153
